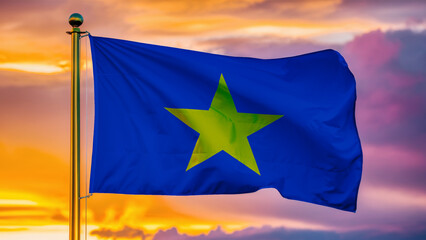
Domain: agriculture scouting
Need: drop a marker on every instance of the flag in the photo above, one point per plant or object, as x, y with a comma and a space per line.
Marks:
170, 121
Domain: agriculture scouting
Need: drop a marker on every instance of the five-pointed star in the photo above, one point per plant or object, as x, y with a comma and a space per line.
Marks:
222, 128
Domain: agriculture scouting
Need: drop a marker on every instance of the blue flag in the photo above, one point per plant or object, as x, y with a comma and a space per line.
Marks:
170, 121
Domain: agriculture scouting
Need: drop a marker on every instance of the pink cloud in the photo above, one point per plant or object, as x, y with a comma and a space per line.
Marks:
390, 106
370, 51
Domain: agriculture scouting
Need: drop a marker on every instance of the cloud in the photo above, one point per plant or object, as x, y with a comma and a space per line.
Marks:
13, 214
396, 167
266, 232
412, 51
47, 129
184, 7
10, 79
372, 50
28, 215
181, 23
385, 10
27, 174
260, 47
16, 229
125, 232
29, 5
291, 9
390, 81
31, 67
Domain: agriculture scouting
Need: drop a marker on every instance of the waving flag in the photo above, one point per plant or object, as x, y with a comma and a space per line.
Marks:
170, 121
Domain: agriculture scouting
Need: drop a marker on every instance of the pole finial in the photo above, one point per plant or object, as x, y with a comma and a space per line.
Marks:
75, 20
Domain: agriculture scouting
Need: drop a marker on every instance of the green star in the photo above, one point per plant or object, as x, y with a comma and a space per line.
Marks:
222, 128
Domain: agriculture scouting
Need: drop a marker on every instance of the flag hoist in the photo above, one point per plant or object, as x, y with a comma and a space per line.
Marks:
75, 20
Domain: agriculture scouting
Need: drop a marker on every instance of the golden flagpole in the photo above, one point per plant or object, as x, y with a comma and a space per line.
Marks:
75, 20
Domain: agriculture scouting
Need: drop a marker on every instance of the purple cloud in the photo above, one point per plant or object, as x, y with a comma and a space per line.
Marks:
261, 47
391, 82
394, 11
251, 233
271, 233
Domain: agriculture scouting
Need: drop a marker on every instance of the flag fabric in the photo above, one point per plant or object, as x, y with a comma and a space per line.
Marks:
170, 121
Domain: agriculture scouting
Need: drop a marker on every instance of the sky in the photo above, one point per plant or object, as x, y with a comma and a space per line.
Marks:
383, 41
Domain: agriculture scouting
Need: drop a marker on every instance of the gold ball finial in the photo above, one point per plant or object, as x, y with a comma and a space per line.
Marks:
75, 20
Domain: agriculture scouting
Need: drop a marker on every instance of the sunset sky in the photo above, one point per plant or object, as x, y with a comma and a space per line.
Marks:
383, 41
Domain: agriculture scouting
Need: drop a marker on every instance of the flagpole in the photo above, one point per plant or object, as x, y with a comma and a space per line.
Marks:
75, 20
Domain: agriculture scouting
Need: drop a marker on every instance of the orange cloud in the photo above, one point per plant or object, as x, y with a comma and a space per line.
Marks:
32, 48
32, 67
